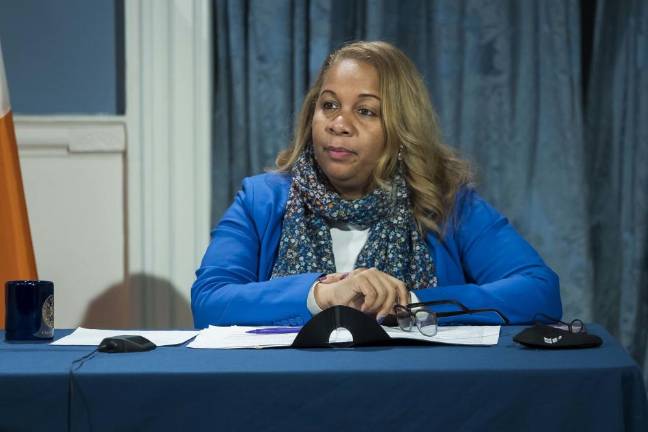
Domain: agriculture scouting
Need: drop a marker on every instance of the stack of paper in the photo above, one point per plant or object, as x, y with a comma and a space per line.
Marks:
240, 336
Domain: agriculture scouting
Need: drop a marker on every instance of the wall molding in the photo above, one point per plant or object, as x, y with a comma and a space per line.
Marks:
168, 88
71, 134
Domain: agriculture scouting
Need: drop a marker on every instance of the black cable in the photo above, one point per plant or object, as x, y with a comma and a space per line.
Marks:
75, 366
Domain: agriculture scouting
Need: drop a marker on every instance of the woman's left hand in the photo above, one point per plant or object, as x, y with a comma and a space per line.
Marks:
368, 290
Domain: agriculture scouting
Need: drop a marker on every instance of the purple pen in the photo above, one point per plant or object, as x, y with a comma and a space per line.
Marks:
275, 330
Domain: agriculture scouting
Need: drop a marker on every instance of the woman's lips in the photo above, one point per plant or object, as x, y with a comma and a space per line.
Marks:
339, 153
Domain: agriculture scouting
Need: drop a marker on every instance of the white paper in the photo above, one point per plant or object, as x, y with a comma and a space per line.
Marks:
454, 335
238, 336
84, 336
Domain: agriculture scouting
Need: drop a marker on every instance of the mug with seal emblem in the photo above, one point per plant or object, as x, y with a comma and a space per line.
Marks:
29, 310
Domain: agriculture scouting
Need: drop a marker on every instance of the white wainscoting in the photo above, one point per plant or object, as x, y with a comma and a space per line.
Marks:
73, 175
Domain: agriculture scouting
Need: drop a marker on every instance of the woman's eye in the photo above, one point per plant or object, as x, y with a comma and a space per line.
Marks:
329, 105
366, 112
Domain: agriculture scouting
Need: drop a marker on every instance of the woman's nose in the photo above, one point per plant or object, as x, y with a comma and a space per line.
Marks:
340, 126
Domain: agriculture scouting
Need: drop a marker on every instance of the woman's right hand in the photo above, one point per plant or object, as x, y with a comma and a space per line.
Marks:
368, 290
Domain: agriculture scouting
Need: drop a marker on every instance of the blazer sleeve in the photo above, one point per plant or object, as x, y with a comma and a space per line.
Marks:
228, 289
503, 271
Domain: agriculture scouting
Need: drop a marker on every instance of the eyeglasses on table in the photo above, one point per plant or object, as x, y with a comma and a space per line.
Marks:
426, 320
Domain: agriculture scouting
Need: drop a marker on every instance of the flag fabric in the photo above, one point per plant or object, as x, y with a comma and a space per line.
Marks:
16, 251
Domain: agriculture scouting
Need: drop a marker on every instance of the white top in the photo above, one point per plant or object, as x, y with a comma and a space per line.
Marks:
347, 241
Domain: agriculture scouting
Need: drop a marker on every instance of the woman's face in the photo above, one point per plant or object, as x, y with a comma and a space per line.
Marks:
348, 137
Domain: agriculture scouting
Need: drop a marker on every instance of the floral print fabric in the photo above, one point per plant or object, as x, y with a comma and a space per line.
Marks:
394, 245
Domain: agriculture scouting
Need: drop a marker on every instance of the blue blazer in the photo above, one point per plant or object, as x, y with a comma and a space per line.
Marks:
481, 261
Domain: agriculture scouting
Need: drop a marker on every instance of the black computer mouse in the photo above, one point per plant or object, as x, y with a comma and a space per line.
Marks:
125, 343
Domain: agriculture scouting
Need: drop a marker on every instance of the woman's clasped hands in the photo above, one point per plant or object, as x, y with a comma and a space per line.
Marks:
368, 290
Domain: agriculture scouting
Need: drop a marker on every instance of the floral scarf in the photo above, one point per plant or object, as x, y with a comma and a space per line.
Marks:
394, 245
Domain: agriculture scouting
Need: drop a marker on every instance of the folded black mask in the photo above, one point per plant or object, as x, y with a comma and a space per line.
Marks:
544, 336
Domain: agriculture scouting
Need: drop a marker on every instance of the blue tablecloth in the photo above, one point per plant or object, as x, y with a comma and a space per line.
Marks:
500, 388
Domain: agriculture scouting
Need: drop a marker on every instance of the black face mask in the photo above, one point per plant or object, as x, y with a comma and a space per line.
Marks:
547, 337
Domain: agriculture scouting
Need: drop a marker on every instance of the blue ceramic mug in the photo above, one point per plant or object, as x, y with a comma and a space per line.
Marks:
29, 310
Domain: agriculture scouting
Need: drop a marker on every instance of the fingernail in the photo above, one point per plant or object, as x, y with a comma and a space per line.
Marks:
322, 278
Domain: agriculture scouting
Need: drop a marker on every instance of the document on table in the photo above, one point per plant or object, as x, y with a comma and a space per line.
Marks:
84, 336
453, 335
240, 336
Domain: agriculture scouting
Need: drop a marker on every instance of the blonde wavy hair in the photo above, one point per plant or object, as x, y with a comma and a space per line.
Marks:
433, 172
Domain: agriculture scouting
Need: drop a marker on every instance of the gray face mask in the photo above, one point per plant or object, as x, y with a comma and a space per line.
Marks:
548, 337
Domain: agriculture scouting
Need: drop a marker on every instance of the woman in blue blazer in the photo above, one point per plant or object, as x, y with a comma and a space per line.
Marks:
367, 208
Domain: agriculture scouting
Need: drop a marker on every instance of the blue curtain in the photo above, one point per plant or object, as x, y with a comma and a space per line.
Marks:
508, 81
617, 172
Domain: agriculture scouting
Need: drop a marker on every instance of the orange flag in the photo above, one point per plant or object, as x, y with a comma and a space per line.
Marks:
16, 252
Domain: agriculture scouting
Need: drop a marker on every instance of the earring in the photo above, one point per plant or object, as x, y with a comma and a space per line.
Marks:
400, 153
